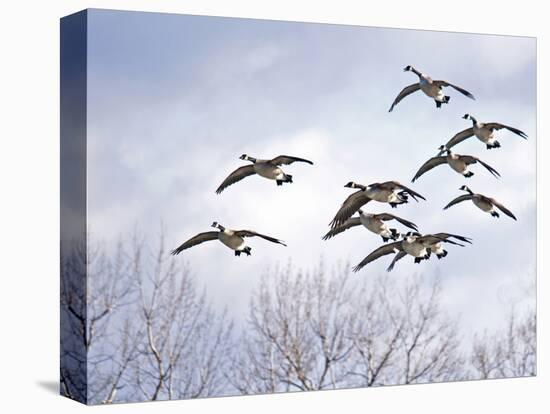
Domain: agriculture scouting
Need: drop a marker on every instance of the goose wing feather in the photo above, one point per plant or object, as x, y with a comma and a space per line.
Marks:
469, 159
250, 233
392, 185
376, 254
405, 92
457, 200
428, 165
349, 207
287, 159
388, 217
348, 224
236, 176
503, 209
458, 138
458, 88
193, 241
396, 258
497, 126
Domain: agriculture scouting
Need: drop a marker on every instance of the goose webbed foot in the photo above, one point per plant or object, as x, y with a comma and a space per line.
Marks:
279, 182
469, 174
237, 253
495, 214
442, 255
418, 259
385, 239
437, 105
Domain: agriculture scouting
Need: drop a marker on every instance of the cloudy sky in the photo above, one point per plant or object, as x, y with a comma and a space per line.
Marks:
174, 100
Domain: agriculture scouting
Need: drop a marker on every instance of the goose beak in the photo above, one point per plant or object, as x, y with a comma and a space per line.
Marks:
466, 116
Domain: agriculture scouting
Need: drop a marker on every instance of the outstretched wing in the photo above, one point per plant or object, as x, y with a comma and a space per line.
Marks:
376, 254
430, 239
502, 208
396, 258
458, 88
392, 185
458, 138
428, 165
457, 200
497, 126
388, 216
349, 207
405, 92
193, 241
287, 159
235, 176
447, 236
348, 224
250, 233
469, 159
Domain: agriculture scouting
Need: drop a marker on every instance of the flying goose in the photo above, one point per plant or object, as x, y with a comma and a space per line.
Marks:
376, 223
386, 192
265, 168
485, 132
484, 203
432, 88
457, 162
234, 239
413, 244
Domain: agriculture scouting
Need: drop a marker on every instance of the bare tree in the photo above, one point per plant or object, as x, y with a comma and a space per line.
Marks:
185, 344
296, 333
136, 328
510, 352
139, 329
310, 332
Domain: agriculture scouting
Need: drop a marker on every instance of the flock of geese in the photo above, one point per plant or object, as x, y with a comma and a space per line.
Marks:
412, 243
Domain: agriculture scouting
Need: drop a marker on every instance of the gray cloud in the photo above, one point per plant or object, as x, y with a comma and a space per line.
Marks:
174, 101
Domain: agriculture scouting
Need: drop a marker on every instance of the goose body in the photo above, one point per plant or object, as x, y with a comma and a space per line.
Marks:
234, 239
231, 240
391, 192
269, 169
457, 162
484, 203
431, 88
484, 132
376, 223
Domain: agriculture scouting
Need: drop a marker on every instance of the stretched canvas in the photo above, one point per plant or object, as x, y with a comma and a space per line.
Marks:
257, 207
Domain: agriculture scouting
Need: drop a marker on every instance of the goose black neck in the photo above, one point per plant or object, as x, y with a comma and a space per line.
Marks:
415, 72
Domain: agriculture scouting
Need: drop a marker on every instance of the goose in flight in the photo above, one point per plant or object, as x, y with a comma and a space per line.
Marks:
485, 132
376, 223
234, 239
391, 192
265, 168
484, 203
457, 162
431, 88
413, 244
